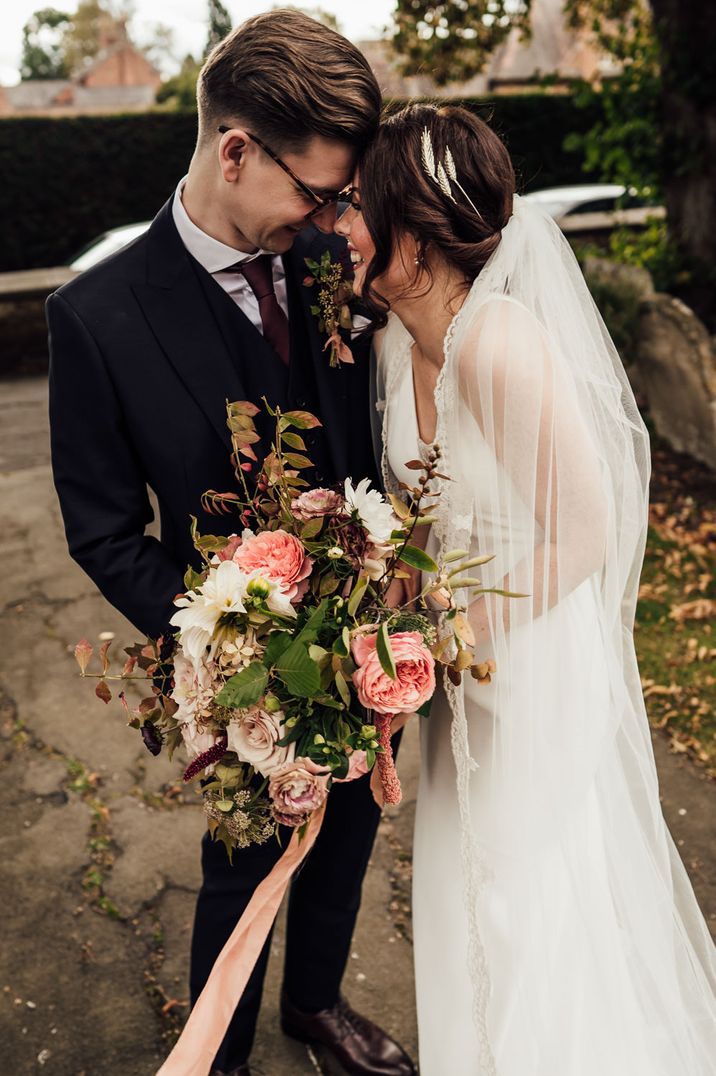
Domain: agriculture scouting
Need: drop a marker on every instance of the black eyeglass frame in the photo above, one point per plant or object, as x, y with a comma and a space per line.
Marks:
321, 201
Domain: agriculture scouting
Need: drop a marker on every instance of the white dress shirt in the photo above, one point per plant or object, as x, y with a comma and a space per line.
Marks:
216, 257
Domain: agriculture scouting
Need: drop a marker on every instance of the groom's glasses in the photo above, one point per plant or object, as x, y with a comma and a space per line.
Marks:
322, 201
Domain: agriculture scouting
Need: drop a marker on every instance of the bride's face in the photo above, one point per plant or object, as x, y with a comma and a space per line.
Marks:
352, 227
399, 276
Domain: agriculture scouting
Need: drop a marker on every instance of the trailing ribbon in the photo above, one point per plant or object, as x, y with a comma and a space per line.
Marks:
204, 1031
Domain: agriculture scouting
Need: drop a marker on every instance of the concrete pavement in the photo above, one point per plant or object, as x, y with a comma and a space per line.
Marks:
100, 844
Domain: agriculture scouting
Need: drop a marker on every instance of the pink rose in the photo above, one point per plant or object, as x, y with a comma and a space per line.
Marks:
280, 556
227, 553
297, 789
414, 682
317, 502
357, 767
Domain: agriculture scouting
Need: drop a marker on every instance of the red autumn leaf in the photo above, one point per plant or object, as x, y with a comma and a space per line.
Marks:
102, 691
103, 655
129, 664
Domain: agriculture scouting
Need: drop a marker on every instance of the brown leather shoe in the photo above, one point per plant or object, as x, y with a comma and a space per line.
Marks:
359, 1046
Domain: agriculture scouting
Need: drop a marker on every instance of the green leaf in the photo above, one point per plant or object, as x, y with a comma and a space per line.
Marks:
303, 420
300, 675
311, 528
244, 688
424, 710
294, 441
385, 652
504, 593
192, 579
418, 558
343, 689
357, 594
339, 647
474, 562
279, 641
309, 631
211, 543
455, 554
295, 459
329, 584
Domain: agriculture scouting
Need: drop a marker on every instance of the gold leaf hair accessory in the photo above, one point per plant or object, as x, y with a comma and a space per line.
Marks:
444, 174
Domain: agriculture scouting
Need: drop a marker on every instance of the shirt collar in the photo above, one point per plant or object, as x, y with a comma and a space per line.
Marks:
212, 254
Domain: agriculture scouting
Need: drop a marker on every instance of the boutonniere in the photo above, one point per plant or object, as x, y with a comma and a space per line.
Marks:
332, 307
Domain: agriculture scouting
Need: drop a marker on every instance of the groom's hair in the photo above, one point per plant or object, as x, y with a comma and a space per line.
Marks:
287, 78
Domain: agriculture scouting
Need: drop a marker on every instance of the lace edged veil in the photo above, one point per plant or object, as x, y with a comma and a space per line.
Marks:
557, 790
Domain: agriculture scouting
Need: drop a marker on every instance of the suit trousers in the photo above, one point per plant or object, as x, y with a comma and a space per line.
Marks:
323, 905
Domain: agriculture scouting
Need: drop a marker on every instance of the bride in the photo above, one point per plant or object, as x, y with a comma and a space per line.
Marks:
556, 931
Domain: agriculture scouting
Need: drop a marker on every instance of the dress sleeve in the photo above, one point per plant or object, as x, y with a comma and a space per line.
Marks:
545, 497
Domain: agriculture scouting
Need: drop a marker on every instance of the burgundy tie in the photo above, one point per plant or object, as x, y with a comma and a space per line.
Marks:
274, 322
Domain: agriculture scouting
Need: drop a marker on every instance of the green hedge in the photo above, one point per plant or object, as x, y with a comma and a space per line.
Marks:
65, 181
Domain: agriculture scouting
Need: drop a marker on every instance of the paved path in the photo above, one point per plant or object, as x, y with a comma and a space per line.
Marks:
100, 845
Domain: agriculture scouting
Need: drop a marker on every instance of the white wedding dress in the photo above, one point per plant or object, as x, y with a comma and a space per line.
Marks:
555, 929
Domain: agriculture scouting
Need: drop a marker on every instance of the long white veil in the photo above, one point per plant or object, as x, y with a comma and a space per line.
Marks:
578, 905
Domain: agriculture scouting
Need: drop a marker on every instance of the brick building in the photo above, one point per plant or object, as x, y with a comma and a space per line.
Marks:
119, 78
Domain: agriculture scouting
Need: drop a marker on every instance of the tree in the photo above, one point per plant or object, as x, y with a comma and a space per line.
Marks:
453, 39
219, 25
180, 91
660, 112
92, 25
318, 13
686, 33
42, 45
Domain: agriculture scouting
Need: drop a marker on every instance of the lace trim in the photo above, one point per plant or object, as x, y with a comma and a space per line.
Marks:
453, 532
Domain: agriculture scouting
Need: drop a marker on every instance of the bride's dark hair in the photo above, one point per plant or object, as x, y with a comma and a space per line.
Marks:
398, 197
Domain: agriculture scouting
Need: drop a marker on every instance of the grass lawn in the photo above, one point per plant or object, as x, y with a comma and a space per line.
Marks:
676, 615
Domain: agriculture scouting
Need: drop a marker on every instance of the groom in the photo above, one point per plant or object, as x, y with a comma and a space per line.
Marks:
145, 350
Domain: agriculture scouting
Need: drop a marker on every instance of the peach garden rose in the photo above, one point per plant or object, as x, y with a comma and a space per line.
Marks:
279, 555
414, 682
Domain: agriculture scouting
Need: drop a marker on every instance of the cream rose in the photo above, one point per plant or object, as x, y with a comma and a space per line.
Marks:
254, 737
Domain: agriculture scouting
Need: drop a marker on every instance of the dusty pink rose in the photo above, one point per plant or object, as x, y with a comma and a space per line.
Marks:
317, 502
414, 682
357, 767
297, 789
227, 553
280, 556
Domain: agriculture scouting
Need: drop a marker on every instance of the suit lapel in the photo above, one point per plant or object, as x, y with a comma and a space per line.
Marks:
178, 313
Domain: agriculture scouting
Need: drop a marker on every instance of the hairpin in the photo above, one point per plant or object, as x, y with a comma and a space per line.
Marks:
444, 174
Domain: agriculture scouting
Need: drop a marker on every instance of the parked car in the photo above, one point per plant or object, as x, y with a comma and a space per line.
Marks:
593, 207
107, 243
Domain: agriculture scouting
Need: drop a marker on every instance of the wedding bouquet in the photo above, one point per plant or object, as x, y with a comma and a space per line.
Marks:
288, 665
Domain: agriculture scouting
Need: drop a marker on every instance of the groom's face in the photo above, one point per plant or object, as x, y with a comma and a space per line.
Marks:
265, 204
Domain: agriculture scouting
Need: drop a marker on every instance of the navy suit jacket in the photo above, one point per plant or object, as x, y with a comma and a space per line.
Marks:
145, 349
